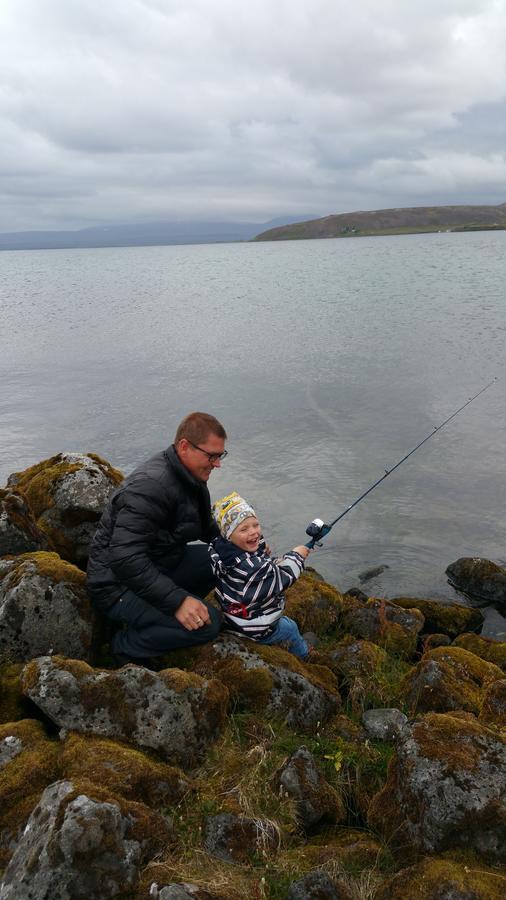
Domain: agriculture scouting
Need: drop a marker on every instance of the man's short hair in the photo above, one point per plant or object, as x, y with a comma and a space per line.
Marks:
197, 426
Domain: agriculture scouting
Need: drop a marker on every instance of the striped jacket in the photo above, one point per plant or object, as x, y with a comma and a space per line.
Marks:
250, 586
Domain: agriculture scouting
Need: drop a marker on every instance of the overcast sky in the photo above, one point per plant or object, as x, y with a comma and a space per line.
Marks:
140, 110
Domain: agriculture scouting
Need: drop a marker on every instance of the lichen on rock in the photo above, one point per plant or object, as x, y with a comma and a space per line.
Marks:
44, 608
446, 788
66, 495
271, 678
172, 712
451, 619
448, 678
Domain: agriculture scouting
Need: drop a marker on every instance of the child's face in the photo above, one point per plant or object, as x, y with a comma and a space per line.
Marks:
247, 535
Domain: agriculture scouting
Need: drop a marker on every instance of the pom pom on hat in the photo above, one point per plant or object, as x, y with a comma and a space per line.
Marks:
230, 511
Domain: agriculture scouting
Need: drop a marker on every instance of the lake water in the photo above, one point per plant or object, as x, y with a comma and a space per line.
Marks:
326, 361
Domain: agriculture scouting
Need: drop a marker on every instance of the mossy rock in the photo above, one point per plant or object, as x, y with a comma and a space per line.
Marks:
446, 787
265, 677
44, 607
18, 531
29, 761
315, 605
491, 651
383, 623
493, 710
175, 713
479, 578
443, 618
12, 702
66, 495
119, 768
448, 678
435, 878
83, 841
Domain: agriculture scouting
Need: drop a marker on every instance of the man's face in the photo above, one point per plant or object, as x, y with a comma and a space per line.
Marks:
195, 457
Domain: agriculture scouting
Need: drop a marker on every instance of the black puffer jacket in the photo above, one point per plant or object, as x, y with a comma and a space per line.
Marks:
157, 510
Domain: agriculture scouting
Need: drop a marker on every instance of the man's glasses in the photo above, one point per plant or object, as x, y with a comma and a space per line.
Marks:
212, 457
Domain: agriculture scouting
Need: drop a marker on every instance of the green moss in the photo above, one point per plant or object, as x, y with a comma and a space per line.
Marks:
12, 703
24, 777
315, 605
452, 740
47, 565
37, 482
451, 619
448, 678
445, 877
375, 620
123, 770
114, 475
491, 651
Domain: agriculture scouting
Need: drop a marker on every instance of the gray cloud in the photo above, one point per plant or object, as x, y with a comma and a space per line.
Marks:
143, 109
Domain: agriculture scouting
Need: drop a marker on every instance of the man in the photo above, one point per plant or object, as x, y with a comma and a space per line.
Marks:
141, 571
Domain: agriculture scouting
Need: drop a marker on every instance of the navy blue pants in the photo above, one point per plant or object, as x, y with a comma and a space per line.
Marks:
152, 631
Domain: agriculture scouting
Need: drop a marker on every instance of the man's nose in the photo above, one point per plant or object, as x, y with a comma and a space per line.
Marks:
216, 463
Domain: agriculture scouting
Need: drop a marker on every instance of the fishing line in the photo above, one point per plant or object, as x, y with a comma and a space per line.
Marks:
317, 529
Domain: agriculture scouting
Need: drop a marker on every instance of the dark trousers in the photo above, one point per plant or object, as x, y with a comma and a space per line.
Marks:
152, 631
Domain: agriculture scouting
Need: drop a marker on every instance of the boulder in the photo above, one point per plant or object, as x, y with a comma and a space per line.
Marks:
18, 531
448, 678
354, 657
66, 495
44, 608
446, 788
28, 764
271, 679
383, 623
485, 648
480, 579
493, 710
383, 724
239, 839
318, 886
317, 803
175, 713
431, 641
314, 604
80, 844
451, 619
123, 770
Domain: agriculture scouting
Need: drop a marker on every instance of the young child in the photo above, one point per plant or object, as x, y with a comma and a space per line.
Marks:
250, 583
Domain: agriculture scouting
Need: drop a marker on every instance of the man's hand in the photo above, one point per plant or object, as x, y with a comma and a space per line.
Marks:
192, 614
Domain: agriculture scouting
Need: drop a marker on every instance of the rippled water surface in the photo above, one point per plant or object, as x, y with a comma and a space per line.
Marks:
326, 361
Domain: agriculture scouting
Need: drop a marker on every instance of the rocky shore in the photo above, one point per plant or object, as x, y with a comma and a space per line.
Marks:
235, 770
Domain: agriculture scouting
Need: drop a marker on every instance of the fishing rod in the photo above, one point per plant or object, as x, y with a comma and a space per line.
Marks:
317, 529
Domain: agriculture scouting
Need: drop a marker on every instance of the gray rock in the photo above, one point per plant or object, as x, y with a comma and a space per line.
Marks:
44, 608
236, 839
179, 892
446, 788
317, 802
18, 531
479, 578
317, 886
383, 724
10, 747
67, 495
71, 850
175, 713
298, 696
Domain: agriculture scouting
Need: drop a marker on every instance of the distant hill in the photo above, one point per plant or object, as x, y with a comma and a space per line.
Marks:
145, 235
410, 220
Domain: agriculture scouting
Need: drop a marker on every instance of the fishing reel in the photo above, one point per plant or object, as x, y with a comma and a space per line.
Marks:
316, 531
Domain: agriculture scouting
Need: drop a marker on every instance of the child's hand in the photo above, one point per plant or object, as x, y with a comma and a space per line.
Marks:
304, 551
